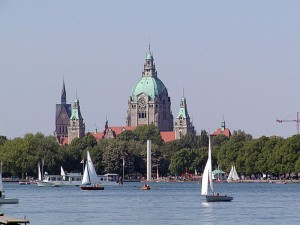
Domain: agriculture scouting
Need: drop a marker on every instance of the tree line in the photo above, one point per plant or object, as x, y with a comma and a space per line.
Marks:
266, 155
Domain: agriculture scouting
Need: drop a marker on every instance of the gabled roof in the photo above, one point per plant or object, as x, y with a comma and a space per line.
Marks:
61, 107
97, 135
119, 130
167, 136
226, 132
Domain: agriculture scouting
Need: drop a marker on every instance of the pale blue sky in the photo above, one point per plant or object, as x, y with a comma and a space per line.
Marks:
240, 59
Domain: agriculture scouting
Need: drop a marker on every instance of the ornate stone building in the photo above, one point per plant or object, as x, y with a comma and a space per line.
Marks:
149, 102
76, 127
62, 116
183, 124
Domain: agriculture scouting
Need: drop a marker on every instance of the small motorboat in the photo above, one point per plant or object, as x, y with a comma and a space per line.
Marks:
146, 187
24, 182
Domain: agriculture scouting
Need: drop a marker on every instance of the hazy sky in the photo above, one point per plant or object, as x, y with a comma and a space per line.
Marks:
240, 59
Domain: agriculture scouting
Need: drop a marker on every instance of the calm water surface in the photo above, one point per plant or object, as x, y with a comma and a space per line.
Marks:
165, 203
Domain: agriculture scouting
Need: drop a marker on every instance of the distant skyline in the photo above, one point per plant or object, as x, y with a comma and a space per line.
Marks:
239, 59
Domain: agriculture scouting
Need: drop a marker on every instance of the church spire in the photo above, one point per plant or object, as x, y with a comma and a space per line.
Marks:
63, 94
223, 124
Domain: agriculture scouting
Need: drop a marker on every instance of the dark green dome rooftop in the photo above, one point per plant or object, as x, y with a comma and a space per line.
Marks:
151, 86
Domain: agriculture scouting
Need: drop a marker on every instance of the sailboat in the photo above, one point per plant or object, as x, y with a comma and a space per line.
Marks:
3, 199
207, 182
233, 176
90, 180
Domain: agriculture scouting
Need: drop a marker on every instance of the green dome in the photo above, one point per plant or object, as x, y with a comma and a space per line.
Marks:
151, 86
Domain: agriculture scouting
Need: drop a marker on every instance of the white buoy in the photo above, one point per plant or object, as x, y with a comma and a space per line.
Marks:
149, 168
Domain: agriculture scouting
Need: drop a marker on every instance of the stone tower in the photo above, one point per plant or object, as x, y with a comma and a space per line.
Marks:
149, 102
76, 128
183, 124
62, 116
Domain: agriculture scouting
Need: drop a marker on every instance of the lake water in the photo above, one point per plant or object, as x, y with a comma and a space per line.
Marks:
165, 203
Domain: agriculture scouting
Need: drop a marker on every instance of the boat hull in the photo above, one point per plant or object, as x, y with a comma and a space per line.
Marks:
145, 188
90, 188
9, 201
48, 184
218, 198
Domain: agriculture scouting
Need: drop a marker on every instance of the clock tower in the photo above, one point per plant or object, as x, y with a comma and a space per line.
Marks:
76, 127
149, 102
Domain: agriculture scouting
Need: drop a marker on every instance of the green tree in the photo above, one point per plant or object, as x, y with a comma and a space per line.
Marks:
148, 132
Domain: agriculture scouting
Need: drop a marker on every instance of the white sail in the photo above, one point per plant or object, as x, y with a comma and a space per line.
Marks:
233, 175
62, 173
207, 179
92, 172
86, 177
204, 189
229, 178
39, 172
89, 175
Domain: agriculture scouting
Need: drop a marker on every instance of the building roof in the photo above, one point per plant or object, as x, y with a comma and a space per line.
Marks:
151, 86
60, 107
167, 136
149, 56
183, 113
226, 132
76, 114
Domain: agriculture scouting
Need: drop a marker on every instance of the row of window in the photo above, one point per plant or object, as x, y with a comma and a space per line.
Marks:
142, 115
63, 129
134, 106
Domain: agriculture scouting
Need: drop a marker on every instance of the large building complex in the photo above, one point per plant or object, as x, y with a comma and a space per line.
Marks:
148, 103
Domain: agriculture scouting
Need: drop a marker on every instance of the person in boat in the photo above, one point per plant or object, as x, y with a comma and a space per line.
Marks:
145, 185
121, 180
0, 194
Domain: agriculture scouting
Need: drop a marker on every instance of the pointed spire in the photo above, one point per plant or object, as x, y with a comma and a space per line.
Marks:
63, 94
223, 124
106, 123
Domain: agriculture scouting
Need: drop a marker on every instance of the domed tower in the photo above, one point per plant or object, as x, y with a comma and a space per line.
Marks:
76, 128
149, 102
